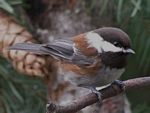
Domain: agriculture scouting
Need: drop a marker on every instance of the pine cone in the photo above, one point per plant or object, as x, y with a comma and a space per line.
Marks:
25, 62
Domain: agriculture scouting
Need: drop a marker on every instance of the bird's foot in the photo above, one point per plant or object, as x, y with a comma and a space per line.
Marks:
98, 94
120, 84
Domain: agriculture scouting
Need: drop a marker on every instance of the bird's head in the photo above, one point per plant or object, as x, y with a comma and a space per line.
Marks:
112, 44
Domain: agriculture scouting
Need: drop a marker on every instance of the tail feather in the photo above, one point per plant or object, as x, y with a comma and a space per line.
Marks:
29, 47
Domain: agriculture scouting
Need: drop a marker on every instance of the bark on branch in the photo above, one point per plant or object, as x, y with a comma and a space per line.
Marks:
91, 98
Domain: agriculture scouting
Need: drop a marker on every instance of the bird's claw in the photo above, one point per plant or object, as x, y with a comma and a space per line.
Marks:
98, 94
120, 84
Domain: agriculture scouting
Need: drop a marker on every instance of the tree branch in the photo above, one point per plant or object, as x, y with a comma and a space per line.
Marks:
91, 98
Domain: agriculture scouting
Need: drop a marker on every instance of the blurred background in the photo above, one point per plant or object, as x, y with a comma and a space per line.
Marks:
53, 19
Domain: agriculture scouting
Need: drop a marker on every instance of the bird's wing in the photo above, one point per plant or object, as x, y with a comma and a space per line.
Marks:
61, 49
66, 50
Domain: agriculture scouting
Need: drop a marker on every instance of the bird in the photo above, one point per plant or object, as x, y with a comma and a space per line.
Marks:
92, 59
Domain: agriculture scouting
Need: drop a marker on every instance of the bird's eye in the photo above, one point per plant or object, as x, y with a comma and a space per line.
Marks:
117, 44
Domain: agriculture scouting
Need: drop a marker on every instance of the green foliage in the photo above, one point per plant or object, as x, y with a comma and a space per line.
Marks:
15, 8
144, 108
19, 93
8, 5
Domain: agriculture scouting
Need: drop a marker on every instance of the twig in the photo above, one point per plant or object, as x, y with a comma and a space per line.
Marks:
91, 98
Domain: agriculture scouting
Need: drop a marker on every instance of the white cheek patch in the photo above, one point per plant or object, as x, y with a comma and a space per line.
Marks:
96, 41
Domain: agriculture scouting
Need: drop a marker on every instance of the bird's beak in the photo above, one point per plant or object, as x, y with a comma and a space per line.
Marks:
129, 51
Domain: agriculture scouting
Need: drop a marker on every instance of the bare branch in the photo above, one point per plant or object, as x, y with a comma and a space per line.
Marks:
91, 98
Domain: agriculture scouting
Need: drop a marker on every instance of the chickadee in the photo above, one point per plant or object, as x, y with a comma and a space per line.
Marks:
92, 59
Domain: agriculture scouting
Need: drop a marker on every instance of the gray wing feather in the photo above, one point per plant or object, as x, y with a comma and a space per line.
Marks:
63, 47
29, 47
82, 60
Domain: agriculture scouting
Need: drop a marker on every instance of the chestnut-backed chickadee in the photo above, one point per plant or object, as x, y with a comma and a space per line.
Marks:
95, 58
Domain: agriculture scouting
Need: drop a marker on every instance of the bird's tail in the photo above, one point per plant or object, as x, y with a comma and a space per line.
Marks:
29, 47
